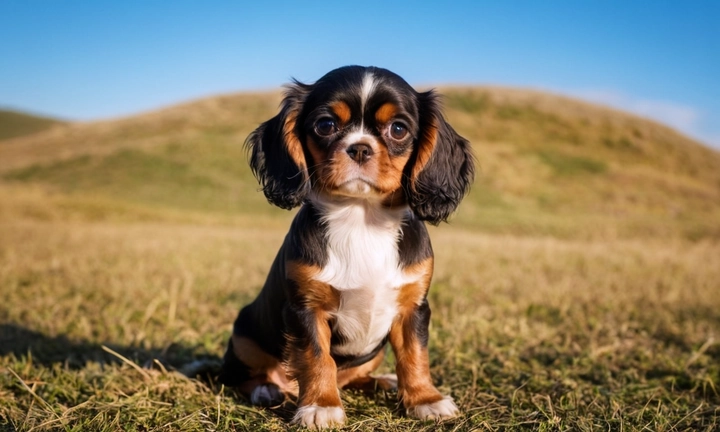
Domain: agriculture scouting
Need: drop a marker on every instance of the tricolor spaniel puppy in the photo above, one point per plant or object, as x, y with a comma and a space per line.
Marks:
368, 159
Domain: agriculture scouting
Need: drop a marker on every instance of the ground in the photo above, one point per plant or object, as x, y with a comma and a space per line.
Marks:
527, 332
577, 287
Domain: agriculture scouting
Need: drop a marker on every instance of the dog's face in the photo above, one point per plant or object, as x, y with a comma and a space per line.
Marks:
362, 133
359, 133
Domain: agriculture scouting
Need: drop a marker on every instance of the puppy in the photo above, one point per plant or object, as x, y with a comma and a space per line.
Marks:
368, 159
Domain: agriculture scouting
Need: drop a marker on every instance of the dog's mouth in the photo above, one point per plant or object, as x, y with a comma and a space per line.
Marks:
357, 187
344, 177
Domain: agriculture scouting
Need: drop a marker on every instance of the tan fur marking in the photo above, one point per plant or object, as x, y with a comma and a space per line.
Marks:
386, 112
391, 179
317, 295
316, 374
411, 295
294, 147
342, 111
398, 162
248, 352
428, 140
415, 385
359, 376
390, 170
315, 371
318, 160
263, 367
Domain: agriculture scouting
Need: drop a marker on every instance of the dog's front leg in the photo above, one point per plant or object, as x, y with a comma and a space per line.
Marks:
309, 359
409, 338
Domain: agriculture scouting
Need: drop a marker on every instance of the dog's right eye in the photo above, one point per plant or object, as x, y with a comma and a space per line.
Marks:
325, 127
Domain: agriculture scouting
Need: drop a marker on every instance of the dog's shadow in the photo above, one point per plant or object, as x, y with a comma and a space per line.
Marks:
192, 361
49, 350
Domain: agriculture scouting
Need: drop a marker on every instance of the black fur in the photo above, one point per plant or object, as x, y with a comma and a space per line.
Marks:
308, 245
447, 176
420, 322
284, 183
300, 328
233, 372
266, 308
414, 243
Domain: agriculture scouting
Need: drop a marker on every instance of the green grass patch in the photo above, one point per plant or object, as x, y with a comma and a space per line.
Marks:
565, 165
212, 183
470, 102
123, 169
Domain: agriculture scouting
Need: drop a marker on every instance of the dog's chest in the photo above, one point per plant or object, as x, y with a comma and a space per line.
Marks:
363, 265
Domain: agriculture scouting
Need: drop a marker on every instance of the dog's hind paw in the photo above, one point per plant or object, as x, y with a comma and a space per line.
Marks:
266, 395
386, 382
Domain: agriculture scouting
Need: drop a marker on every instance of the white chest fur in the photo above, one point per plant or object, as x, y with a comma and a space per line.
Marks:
363, 265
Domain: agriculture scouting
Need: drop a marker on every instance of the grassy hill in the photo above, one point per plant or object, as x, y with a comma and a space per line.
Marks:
548, 165
575, 289
15, 124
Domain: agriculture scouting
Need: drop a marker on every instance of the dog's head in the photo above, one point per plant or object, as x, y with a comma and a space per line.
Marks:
365, 133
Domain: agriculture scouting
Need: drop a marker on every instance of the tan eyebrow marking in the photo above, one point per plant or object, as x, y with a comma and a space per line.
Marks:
386, 112
342, 111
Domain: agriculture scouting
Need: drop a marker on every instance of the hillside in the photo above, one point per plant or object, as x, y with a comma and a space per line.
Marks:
575, 289
16, 124
549, 165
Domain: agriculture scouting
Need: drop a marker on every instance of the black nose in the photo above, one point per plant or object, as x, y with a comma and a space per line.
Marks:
360, 153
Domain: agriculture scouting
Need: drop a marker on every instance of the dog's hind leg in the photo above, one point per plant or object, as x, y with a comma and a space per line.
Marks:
256, 374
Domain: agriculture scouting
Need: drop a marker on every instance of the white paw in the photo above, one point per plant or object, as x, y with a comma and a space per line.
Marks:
317, 417
444, 408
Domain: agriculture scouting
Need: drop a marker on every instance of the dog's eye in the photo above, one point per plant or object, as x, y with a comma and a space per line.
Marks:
398, 131
325, 127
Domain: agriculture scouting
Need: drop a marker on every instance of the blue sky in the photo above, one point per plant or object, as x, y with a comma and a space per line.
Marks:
86, 60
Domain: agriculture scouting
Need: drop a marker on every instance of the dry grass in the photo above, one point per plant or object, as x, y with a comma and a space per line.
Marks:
576, 289
530, 333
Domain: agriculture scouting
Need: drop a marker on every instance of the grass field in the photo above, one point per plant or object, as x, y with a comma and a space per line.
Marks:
578, 288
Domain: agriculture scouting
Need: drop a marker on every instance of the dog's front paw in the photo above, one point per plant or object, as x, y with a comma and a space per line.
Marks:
444, 408
317, 417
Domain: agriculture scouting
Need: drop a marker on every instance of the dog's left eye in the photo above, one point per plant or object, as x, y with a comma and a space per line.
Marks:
398, 131
325, 127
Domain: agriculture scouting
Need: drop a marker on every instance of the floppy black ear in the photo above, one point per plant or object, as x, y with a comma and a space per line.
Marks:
276, 154
441, 170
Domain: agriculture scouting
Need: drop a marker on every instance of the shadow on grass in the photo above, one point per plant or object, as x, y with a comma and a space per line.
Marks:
48, 350
193, 362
